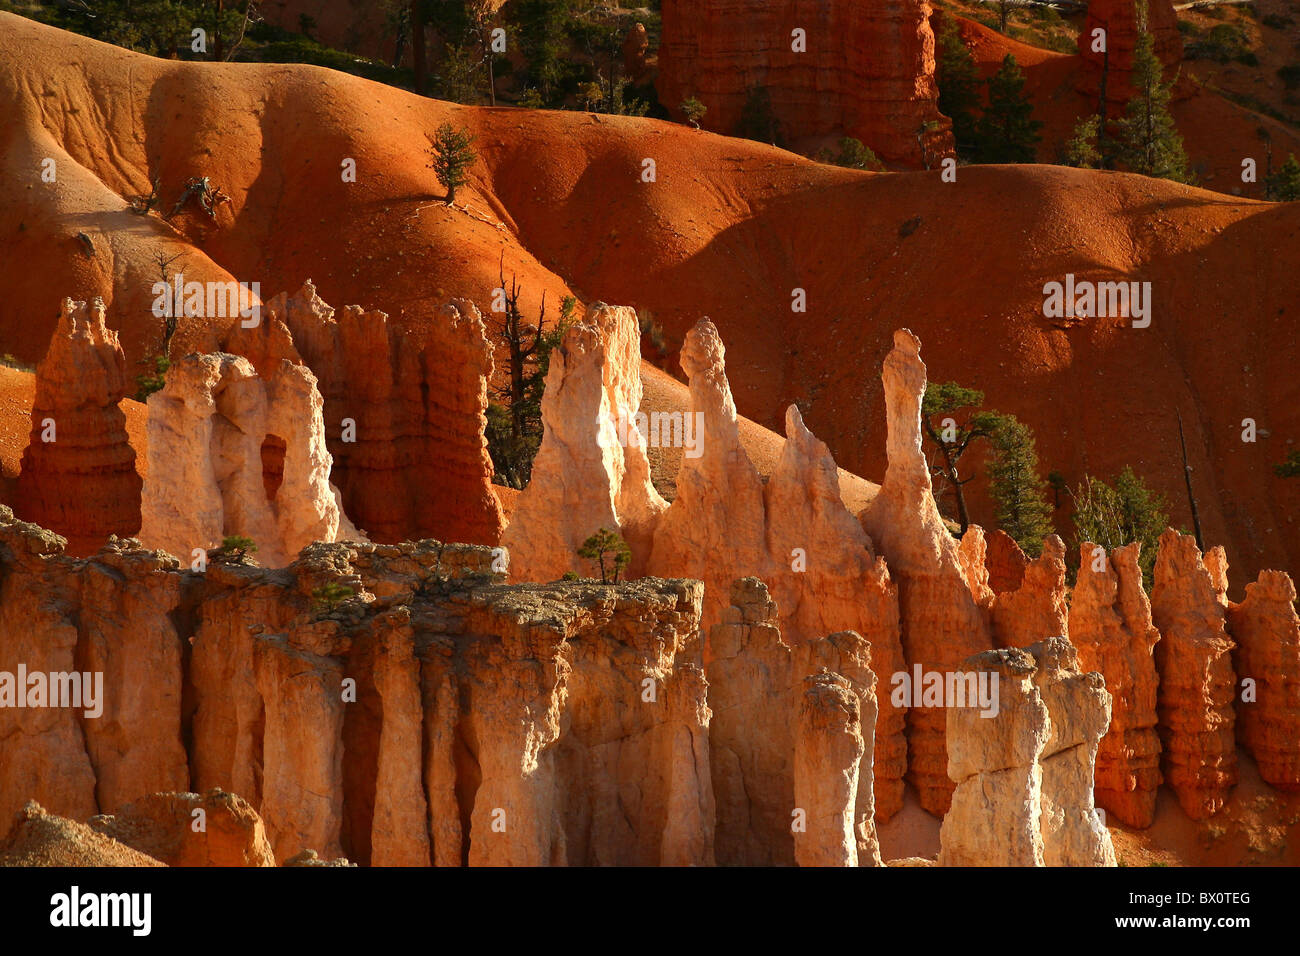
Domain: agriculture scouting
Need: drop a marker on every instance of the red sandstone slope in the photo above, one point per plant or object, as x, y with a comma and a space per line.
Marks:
728, 229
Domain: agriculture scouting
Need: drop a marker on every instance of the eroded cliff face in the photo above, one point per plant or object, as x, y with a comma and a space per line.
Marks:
209, 431
404, 411
1197, 683
399, 418
43, 750
828, 578
115, 617
523, 706
189, 829
942, 623
1267, 633
865, 69
1113, 59
77, 475
591, 471
401, 705
397, 702
763, 723
719, 508
1110, 625
793, 532
1005, 561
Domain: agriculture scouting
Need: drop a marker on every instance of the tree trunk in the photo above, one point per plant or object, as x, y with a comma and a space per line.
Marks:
1187, 476
962, 515
516, 385
399, 49
1101, 109
216, 32
417, 52
950, 473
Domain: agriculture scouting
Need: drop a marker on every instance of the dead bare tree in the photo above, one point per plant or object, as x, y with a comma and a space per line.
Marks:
1187, 477
209, 196
169, 320
522, 341
142, 205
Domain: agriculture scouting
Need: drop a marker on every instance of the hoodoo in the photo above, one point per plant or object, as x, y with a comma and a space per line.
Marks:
1110, 625
1194, 658
212, 474
941, 622
78, 474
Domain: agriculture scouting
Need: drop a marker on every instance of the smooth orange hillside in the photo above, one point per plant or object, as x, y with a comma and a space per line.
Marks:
727, 229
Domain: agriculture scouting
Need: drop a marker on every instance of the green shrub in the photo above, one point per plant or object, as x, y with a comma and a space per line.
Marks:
693, 110
331, 595
1224, 42
149, 382
852, 155
234, 548
1118, 514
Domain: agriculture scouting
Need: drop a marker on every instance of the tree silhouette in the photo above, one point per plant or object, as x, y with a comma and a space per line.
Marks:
605, 542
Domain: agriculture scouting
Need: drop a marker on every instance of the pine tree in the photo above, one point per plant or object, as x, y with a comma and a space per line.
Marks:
1007, 132
1081, 150
605, 542
1022, 510
959, 84
952, 439
452, 158
693, 110
540, 26
1119, 515
1148, 140
852, 155
1285, 183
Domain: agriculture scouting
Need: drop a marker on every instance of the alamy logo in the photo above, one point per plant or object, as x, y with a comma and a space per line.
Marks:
78, 690
210, 300
74, 908
1100, 300
656, 430
952, 689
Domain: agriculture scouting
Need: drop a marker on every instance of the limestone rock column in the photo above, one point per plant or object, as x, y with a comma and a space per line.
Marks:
994, 760
828, 750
